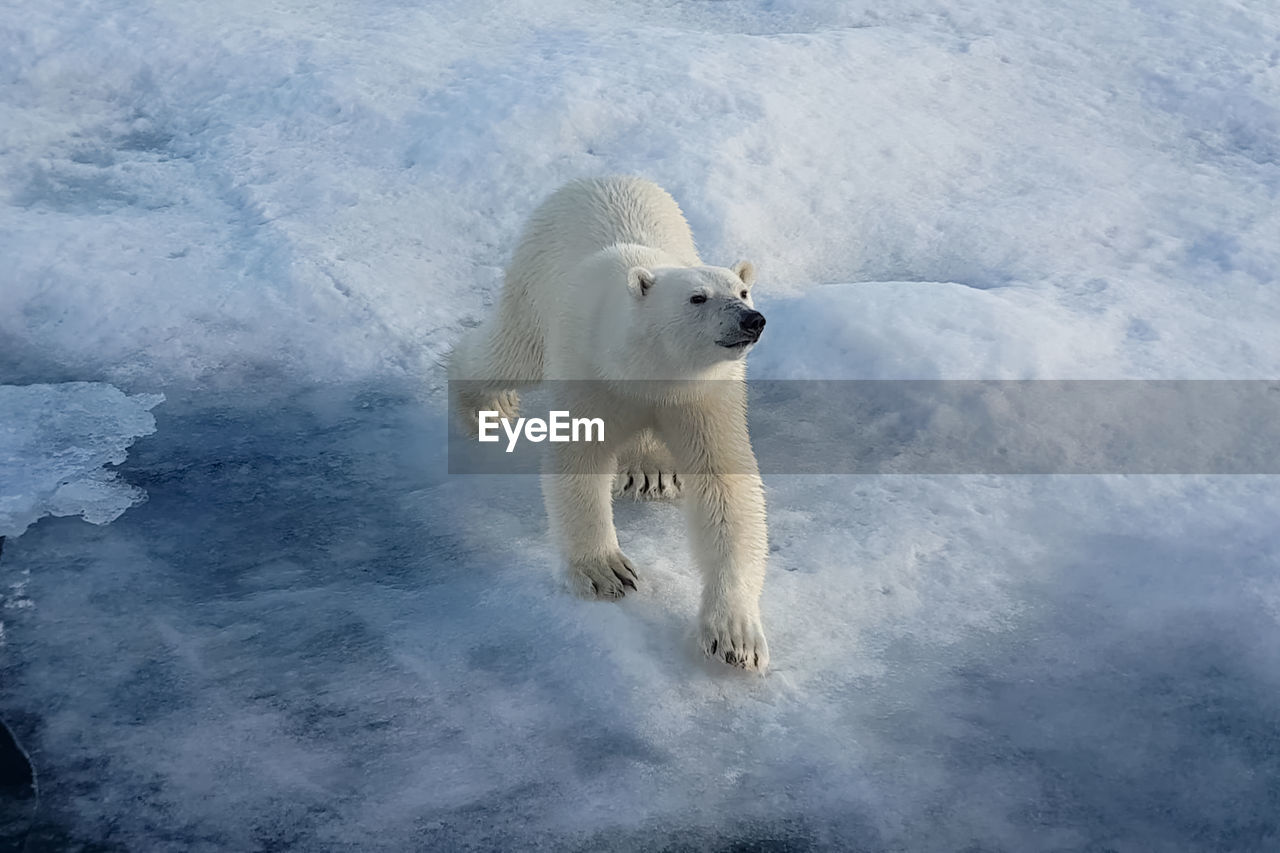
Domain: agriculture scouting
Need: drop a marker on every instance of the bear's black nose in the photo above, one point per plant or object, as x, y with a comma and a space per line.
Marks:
751, 322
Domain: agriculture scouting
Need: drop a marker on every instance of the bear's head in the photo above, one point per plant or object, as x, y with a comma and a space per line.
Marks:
699, 316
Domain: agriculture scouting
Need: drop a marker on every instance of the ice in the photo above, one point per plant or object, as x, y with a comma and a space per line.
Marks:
311, 637
334, 195
54, 442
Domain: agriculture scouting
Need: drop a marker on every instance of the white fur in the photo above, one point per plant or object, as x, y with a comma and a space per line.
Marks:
599, 289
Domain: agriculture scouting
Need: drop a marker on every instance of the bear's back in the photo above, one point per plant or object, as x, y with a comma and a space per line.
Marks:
587, 215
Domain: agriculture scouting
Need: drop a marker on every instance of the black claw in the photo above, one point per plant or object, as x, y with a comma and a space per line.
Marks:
714, 643
628, 582
730, 658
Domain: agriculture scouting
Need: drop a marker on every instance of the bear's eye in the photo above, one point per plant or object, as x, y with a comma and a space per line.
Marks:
743, 294
697, 299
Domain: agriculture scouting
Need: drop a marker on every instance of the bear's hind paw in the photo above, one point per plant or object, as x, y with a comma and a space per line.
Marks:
641, 485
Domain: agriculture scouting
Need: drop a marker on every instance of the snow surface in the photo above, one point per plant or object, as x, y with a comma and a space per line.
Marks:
310, 637
54, 442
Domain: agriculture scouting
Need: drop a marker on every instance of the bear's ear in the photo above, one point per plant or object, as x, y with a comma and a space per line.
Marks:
639, 280
746, 271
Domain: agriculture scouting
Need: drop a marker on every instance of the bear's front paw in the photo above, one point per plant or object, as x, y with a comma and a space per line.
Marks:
605, 577
736, 637
646, 484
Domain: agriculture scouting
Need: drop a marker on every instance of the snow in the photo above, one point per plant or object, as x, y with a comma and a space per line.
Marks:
311, 637
54, 442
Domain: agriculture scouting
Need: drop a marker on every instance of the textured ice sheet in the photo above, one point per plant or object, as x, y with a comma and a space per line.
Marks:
54, 443
311, 638
220, 192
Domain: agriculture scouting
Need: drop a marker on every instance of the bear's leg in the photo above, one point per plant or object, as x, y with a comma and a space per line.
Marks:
490, 364
724, 499
646, 470
580, 508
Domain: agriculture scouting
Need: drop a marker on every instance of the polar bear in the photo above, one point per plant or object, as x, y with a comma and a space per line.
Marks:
606, 288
